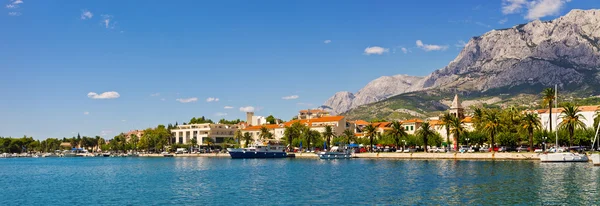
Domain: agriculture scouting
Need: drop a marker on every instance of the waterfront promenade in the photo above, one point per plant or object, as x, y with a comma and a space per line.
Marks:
418, 155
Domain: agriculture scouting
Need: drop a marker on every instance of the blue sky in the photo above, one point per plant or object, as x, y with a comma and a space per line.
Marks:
158, 56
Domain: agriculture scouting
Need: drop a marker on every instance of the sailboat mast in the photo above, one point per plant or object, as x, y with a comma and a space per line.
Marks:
556, 106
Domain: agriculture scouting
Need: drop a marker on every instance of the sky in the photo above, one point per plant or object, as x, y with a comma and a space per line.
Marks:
105, 67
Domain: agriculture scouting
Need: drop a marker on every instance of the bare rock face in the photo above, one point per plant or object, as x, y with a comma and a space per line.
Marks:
377, 90
564, 51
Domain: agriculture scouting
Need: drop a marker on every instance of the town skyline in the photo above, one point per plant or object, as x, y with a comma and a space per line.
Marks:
95, 68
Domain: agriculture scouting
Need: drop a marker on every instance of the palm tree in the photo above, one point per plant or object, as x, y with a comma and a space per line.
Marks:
446, 118
371, 132
194, 142
530, 122
265, 133
328, 134
425, 131
548, 96
310, 136
491, 124
247, 139
571, 119
456, 128
477, 118
349, 134
397, 132
208, 141
238, 136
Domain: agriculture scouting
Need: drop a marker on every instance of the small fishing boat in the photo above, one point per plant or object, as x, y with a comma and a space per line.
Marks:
166, 154
336, 153
258, 150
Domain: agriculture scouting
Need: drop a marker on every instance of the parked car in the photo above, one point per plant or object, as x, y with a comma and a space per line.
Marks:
522, 149
463, 149
472, 149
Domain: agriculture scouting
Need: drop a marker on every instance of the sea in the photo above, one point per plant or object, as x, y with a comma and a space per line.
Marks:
224, 181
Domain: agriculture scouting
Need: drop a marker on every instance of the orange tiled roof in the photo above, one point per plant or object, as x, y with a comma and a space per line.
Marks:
315, 120
268, 126
361, 122
559, 110
467, 120
359, 134
435, 122
412, 121
381, 124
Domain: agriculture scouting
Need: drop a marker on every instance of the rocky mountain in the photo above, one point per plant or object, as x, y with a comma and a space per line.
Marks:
377, 90
564, 51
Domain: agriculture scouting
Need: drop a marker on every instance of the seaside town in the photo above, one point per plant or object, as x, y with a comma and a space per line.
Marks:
313, 130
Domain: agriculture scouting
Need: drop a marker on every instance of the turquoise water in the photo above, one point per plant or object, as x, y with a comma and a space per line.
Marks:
223, 181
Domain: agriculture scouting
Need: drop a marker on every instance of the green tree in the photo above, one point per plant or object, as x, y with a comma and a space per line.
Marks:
371, 132
265, 134
293, 132
349, 135
247, 139
548, 96
208, 141
397, 132
425, 131
456, 128
446, 118
571, 120
491, 124
238, 137
271, 119
328, 134
310, 136
194, 142
530, 122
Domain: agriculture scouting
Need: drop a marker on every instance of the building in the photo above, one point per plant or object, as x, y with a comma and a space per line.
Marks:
588, 113
338, 125
255, 120
137, 133
276, 129
312, 114
183, 134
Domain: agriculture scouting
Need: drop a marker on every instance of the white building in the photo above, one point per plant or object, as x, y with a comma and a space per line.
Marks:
587, 112
217, 132
255, 120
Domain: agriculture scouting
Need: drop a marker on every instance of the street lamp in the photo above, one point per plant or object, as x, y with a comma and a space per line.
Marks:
544, 142
467, 141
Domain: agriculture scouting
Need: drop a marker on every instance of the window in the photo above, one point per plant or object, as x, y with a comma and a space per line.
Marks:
412, 128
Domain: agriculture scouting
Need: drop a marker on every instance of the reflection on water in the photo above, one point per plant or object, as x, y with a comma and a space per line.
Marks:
205, 181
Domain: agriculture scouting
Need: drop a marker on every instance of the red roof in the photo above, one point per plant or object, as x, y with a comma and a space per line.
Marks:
315, 120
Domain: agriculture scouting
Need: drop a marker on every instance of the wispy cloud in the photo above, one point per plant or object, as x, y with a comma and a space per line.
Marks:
14, 13
431, 47
376, 50
482, 24
155, 95
105, 95
17, 2
327, 41
212, 99
502, 21
404, 50
228, 107
247, 109
107, 21
86, 113
220, 114
461, 44
187, 100
163, 99
541, 8
291, 97
85, 14
12, 6
535, 8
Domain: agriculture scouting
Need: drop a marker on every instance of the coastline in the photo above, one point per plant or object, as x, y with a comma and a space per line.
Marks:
416, 156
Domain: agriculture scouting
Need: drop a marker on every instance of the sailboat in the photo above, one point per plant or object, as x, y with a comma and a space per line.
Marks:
557, 156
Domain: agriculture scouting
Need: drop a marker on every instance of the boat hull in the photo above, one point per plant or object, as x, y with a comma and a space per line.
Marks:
253, 155
334, 155
564, 157
595, 159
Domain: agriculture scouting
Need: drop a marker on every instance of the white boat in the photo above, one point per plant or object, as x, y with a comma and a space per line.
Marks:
595, 159
50, 155
166, 154
258, 150
564, 157
336, 153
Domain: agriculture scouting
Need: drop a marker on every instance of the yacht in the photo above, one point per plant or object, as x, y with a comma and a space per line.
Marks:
50, 155
336, 153
258, 150
564, 157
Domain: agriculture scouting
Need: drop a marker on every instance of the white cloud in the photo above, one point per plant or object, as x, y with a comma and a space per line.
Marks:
502, 21
461, 44
482, 24
13, 13
212, 99
404, 50
17, 2
105, 95
512, 6
247, 109
431, 47
542, 8
155, 95
228, 107
12, 6
108, 22
291, 97
220, 114
187, 100
327, 41
86, 113
376, 50
85, 14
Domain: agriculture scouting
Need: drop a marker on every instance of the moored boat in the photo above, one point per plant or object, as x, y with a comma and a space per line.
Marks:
258, 151
595, 159
335, 153
564, 157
